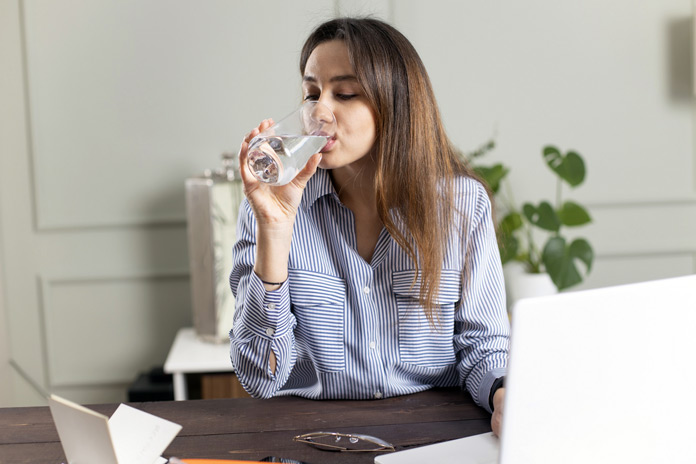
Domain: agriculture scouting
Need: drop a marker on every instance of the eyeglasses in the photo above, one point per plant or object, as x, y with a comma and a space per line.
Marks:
332, 441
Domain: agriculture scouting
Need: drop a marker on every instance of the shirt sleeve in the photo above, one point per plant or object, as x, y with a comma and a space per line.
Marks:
483, 342
263, 322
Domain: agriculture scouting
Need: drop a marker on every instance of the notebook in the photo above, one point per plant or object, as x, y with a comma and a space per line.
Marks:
131, 436
596, 376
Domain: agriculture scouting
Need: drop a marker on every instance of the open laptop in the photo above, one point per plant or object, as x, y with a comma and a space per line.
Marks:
596, 376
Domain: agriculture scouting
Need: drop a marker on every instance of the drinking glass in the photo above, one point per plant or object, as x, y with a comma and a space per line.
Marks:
277, 154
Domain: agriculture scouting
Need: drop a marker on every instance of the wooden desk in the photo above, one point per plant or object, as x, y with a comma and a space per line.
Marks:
253, 429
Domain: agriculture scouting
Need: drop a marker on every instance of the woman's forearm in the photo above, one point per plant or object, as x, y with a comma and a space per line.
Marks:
272, 253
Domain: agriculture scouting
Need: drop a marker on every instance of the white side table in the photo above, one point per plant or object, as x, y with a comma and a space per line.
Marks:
189, 355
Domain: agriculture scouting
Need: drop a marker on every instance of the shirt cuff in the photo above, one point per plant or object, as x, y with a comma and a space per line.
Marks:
496, 385
271, 316
484, 391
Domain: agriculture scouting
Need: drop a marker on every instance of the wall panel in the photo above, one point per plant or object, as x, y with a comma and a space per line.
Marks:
95, 394
100, 252
604, 78
17, 237
619, 270
650, 228
129, 98
101, 331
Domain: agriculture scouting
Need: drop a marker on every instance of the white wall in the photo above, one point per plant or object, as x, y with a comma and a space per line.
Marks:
612, 80
109, 105
5, 392
4, 345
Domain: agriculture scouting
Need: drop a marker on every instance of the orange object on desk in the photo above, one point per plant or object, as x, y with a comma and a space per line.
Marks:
219, 461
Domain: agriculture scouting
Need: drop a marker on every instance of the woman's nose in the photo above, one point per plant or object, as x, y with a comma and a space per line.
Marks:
323, 112
319, 119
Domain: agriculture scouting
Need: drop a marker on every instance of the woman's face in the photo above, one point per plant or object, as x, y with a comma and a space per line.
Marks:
330, 78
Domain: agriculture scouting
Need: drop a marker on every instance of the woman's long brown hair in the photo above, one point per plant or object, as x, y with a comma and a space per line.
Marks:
416, 162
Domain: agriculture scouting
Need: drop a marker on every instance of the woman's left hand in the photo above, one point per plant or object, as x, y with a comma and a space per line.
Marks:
497, 418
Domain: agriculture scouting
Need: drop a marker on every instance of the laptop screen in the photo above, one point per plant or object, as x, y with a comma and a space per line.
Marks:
603, 376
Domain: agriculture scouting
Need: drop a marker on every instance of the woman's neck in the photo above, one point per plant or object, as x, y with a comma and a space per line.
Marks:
355, 184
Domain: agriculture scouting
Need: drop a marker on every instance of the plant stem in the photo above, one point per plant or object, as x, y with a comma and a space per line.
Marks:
559, 187
558, 194
534, 260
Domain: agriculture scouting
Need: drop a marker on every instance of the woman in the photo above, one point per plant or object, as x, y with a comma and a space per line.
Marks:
375, 272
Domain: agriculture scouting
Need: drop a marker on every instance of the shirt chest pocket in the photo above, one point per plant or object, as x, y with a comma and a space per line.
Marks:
318, 302
420, 343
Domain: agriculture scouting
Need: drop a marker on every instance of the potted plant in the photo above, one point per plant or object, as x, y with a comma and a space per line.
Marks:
520, 229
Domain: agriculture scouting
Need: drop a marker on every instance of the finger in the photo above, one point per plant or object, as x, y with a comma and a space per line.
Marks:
308, 171
495, 424
265, 124
249, 137
251, 134
244, 151
244, 170
247, 177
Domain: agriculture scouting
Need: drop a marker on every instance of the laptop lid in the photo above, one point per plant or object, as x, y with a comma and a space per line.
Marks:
603, 376
596, 376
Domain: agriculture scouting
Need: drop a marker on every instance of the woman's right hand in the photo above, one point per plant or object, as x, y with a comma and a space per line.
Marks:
273, 205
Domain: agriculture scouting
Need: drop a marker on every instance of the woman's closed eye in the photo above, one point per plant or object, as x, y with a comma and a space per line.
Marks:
339, 96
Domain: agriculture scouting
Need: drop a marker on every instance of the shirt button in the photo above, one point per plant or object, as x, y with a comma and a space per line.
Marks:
373, 345
378, 394
270, 332
271, 306
366, 290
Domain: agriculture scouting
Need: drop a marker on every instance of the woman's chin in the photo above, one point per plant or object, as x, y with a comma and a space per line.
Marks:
325, 162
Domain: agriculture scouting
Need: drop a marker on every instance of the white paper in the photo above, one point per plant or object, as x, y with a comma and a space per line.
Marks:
476, 449
139, 437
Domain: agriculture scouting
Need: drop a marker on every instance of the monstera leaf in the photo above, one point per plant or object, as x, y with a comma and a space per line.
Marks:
572, 214
560, 260
543, 216
569, 167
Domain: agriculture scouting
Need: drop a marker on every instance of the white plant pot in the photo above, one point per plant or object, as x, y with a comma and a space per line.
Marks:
521, 284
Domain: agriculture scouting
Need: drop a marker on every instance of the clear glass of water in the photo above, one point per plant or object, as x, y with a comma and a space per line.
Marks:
277, 154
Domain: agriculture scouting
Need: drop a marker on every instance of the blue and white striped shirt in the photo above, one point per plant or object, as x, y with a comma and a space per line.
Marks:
342, 328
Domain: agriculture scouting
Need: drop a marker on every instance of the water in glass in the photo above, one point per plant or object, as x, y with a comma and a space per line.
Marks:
276, 159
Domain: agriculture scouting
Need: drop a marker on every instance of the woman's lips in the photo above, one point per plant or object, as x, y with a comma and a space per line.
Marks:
328, 145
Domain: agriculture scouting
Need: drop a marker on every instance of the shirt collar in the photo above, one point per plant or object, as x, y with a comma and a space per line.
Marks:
318, 186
